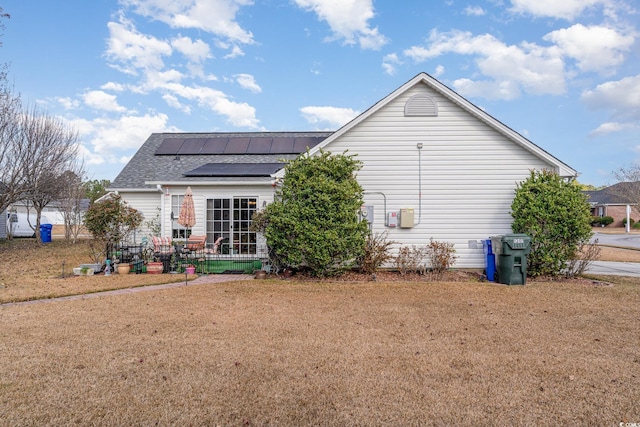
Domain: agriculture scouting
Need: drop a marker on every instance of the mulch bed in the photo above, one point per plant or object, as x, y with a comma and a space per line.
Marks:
458, 276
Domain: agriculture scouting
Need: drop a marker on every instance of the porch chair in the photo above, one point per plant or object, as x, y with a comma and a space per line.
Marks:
162, 245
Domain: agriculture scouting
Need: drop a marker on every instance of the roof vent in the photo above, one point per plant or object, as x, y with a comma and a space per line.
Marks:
421, 105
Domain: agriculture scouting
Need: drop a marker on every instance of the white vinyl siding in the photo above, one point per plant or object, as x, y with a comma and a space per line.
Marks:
469, 173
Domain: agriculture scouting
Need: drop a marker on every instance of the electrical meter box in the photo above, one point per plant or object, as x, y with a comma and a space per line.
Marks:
406, 218
392, 219
366, 212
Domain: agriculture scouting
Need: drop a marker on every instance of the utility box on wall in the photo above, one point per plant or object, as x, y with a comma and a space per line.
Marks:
392, 219
406, 218
366, 212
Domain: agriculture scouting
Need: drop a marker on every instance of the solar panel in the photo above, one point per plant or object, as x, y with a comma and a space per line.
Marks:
301, 143
192, 146
259, 145
235, 169
282, 145
214, 146
169, 146
237, 145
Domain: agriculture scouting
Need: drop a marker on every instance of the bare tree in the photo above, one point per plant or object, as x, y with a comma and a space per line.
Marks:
51, 150
4, 66
12, 152
628, 187
72, 203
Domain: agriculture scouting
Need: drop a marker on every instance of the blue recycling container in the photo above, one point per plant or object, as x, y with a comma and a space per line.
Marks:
45, 232
489, 260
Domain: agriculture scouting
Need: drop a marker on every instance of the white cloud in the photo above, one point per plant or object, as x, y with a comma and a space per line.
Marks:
474, 11
247, 81
622, 98
565, 9
348, 19
133, 50
106, 138
196, 51
611, 127
113, 86
334, 116
68, 103
239, 114
506, 90
595, 48
389, 63
214, 16
528, 67
138, 53
103, 101
174, 102
439, 71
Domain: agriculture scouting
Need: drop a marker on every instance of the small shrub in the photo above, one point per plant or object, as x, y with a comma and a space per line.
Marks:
631, 222
441, 256
376, 252
411, 259
636, 225
601, 221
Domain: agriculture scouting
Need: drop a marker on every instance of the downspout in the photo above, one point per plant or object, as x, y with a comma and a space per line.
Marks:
162, 202
419, 146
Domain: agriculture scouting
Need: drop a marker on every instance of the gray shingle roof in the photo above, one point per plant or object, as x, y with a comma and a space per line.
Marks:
146, 166
617, 194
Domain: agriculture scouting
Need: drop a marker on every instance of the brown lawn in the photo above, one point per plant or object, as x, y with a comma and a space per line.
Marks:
30, 271
302, 353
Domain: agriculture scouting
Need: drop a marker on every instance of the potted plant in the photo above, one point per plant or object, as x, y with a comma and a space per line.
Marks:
123, 268
155, 267
190, 269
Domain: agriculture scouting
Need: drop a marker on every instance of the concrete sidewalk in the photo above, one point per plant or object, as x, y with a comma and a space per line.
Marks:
614, 268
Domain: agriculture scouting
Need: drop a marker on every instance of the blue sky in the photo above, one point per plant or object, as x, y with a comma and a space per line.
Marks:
564, 74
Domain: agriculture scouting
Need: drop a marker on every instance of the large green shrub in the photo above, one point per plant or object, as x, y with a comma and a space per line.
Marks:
556, 214
313, 223
112, 220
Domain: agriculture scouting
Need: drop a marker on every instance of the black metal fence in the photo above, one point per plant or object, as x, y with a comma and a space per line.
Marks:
176, 258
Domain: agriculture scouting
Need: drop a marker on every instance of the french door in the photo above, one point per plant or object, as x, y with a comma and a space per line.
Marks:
230, 219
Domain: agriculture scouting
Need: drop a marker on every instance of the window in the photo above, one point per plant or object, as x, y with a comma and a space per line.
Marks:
230, 219
177, 231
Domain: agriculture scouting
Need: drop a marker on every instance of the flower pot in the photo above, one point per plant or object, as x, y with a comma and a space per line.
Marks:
123, 268
190, 270
154, 268
83, 271
96, 266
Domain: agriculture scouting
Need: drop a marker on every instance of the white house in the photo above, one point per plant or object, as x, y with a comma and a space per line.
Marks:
434, 166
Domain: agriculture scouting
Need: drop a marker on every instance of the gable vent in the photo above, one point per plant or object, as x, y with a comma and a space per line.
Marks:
421, 105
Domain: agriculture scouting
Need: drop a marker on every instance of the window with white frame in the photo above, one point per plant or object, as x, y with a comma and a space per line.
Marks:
177, 231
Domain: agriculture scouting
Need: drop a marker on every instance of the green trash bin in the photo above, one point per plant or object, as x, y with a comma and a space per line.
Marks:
511, 257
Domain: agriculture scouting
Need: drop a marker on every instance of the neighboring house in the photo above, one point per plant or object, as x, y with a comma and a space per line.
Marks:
53, 213
612, 201
434, 166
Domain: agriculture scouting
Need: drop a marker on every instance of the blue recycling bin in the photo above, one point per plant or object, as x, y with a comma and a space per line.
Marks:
489, 260
45, 232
